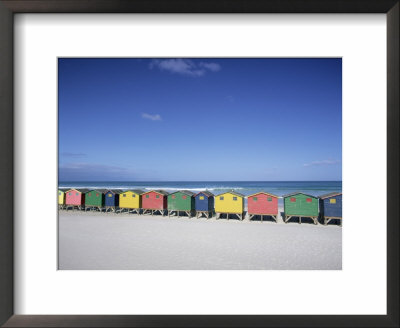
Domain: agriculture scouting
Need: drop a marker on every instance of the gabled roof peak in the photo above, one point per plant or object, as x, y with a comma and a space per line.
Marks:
298, 193
158, 191
135, 191
331, 194
81, 190
186, 192
233, 192
115, 191
205, 192
263, 192
103, 191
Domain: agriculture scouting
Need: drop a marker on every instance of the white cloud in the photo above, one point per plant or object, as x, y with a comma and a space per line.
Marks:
184, 66
69, 154
323, 162
213, 67
93, 171
91, 167
155, 117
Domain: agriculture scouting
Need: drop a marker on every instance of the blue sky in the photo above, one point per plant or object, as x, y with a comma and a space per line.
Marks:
173, 119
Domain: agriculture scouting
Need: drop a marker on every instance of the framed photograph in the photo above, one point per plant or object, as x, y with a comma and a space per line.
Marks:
139, 209
220, 164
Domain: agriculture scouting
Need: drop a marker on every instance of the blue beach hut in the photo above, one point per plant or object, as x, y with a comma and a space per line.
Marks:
204, 203
330, 206
111, 201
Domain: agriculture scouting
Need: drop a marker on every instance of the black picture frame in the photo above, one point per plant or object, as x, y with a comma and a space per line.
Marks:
10, 7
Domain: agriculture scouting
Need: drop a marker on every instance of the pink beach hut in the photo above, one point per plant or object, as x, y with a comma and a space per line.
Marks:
75, 198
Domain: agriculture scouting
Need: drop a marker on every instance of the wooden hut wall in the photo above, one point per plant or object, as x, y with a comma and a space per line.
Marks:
229, 203
61, 197
74, 197
262, 203
154, 201
130, 199
331, 206
111, 199
94, 198
301, 205
179, 201
204, 203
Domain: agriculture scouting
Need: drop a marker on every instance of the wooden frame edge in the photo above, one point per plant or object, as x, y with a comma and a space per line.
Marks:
8, 8
6, 165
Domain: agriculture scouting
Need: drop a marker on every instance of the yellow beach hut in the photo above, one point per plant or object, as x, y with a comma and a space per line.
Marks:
61, 197
130, 200
230, 202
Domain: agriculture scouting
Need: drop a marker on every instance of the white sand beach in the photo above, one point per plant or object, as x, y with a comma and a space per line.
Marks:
105, 241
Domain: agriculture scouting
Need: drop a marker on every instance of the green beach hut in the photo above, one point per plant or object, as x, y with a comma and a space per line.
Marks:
300, 205
181, 201
94, 199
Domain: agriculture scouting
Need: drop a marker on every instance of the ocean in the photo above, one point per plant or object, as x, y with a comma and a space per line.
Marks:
279, 188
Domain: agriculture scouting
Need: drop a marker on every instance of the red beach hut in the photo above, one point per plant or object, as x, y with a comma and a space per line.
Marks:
75, 198
154, 200
263, 204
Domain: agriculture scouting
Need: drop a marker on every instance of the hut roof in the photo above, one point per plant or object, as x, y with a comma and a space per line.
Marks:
297, 193
263, 192
231, 192
115, 191
103, 191
206, 192
158, 191
135, 191
81, 190
331, 194
186, 192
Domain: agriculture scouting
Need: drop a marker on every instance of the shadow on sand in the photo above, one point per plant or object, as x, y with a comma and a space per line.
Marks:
265, 218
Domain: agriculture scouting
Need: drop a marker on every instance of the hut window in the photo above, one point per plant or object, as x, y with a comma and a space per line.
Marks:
133, 195
90, 194
59, 193
255, 199
124, 195
308, 200
173, 196
69, 194
77, 194
269, 199
221, 198
97, 195
293, 200
201, 197
183, 197
332, 201
147, 196
234, 198
109, 195
157, 196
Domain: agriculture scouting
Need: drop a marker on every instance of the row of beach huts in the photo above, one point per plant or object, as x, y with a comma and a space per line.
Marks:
261, 204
